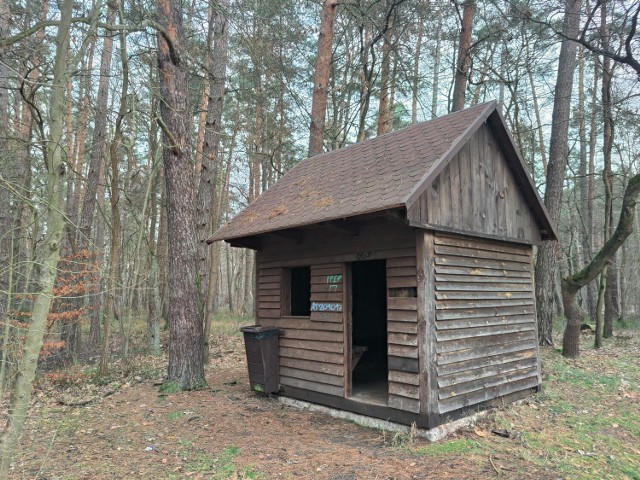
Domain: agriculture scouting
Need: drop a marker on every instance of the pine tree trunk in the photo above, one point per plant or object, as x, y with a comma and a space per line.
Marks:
97, 161
385, 105
186, 368
540, 146
546, 264
23, 158
463, 62
116, 222
81, 141
436, 71
208, 188
321, 80
415, 81
365, 82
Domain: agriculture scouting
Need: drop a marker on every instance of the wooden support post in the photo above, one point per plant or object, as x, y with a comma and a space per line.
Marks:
347, 322
535, 315
427, 329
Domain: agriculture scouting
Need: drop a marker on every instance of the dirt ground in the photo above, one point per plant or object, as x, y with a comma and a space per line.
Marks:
126, 429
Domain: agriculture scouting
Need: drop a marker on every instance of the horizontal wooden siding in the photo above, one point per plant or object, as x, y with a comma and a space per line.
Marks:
485, 321
402, 333
312, 348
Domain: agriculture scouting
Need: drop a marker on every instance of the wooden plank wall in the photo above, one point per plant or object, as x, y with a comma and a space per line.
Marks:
269, 283
311, 348
476, 192
485, 320
402, 334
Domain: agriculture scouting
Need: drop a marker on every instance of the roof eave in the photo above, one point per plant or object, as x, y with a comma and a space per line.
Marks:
219, 235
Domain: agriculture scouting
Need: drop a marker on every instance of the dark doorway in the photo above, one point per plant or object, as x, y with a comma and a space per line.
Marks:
369, 331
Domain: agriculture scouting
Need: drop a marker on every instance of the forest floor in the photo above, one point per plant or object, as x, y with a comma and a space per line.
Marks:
585, 425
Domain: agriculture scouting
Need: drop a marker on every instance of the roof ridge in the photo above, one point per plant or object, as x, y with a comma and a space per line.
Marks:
416, 126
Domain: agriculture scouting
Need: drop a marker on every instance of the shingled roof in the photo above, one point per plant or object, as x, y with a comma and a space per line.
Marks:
379, 174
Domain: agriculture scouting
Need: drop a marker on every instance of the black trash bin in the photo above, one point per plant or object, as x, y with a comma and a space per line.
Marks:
261, 345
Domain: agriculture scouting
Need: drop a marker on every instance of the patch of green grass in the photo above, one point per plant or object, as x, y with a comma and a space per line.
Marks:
221, 467
632, 473
458, 446
252, 473
628, 323
169, 387
185, 443
225, 323
561, 407
591, 426
175, 415
202, 463
226, 467
568, 373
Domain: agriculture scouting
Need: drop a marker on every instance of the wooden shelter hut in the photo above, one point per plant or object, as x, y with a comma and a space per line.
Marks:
399, 271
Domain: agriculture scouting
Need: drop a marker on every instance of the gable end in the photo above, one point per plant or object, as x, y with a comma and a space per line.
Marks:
477, 193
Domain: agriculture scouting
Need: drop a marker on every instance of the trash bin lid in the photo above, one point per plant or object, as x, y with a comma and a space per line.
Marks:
258, 329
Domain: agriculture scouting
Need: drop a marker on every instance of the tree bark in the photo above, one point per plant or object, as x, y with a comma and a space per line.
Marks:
116, 226
572, 284
30, 80
153, 282
463, 63
186, 368
611, 291
558, 153
583, 180
82, 139
366, 78
98, 156
385, 106
321, 80
5, 166
436, 70
99, 141
415, 81
592, 288
208, 189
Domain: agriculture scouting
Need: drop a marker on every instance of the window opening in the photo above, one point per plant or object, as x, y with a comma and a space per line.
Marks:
300, 291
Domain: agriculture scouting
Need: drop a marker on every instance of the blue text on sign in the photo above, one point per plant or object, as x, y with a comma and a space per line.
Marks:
326, 307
